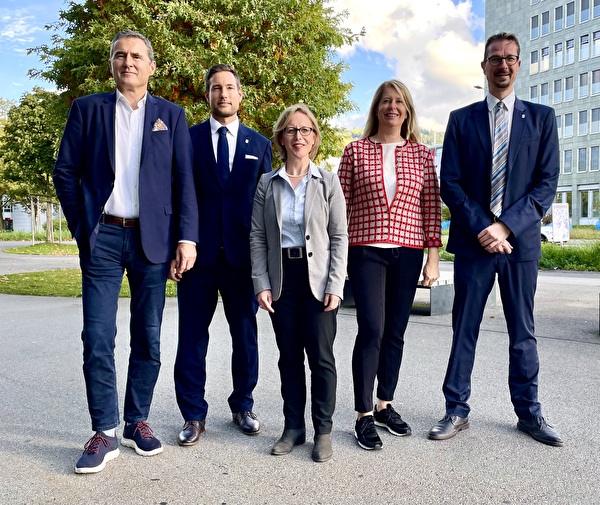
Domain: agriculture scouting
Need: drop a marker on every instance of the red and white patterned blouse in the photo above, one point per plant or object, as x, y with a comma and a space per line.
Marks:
414, 217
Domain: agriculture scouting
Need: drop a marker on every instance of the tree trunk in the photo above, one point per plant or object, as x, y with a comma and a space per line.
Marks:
49, 223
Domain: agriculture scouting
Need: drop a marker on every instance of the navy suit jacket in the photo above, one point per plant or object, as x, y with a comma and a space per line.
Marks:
532, 177
226, 210
84, 174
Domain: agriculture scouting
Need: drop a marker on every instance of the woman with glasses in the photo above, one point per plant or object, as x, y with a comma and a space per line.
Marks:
298, 246
394, 212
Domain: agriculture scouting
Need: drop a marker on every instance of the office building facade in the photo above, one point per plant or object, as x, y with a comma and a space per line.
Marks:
560, 55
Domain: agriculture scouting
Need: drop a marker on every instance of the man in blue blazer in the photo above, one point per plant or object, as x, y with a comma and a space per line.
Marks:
229, 159
124, 178
499, 173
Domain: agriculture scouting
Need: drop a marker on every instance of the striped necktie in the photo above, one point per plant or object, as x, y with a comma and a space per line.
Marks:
499, 155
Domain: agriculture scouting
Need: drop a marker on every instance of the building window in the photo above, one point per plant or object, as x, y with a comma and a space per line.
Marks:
559, 126
583, 203
557, 91
584, 47
570, 53
545, 23
596, 43
534, 67
568, 161
544, 93
582, 159
594, 158
596, 8
535, 27
584, 88
582, 128
569, 124
595, 126
570, 21
545, 63
568, 88
595, 82
533, 94
558, 55
558, 18
584, 14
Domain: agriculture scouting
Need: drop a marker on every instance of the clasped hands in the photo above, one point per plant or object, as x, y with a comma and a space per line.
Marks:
493, 238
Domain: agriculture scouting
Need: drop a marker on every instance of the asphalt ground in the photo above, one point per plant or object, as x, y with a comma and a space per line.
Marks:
44, 421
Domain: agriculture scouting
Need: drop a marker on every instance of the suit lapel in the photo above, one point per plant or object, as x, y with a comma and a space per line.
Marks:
481, 120
109, 111
150, 115
519, 120
277, 188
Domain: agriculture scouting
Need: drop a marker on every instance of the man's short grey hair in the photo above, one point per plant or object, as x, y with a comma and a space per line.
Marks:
136, 35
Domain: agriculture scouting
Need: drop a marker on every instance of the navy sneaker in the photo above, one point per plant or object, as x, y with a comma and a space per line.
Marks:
97, 452
366, 434
391, 420
139, 436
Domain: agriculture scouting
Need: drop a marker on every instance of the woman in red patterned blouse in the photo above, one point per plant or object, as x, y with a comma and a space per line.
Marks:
394, 213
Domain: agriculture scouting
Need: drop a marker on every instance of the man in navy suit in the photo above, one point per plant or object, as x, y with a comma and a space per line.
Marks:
499, 173
124, 178
229, 159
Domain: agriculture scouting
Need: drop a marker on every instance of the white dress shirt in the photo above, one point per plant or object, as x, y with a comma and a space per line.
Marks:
232, 133
124, 200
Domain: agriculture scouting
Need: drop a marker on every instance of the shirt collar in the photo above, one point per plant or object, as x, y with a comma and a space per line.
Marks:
508, 101
312, 169
121, 98
232, 127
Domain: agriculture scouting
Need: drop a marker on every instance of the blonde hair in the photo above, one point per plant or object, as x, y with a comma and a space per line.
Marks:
284, 120
410, 128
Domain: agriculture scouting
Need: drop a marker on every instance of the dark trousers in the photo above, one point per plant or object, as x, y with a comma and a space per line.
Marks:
473, 281
197, 296
384, 282
300, 325
118, 250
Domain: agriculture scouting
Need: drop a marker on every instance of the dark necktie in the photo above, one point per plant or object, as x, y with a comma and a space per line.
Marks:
223, 154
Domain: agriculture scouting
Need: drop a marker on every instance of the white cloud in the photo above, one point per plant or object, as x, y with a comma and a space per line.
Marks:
18, 27
429, 44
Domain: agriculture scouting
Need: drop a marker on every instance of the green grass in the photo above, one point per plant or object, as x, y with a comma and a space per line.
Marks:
45, 248
585, 258
66, 283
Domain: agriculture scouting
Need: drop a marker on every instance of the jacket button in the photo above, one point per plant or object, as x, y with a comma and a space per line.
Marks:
310, 255
308, 237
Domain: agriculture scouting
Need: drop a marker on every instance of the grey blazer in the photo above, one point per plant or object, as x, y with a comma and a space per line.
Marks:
326, 234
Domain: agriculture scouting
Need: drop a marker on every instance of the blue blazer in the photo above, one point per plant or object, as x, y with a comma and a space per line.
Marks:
84, 174
532, 177
226, 210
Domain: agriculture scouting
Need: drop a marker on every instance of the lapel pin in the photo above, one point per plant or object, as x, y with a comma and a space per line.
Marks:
523, 116
247, 141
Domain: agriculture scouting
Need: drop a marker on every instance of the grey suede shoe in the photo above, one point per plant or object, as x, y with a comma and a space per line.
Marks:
288, 440
323, 450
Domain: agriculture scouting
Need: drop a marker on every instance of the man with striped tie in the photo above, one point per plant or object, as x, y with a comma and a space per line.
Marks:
499, 172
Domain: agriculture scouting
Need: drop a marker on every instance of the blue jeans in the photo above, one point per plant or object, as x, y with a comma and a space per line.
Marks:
118, 250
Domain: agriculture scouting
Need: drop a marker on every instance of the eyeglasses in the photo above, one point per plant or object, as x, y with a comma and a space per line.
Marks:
305, 131
494, 61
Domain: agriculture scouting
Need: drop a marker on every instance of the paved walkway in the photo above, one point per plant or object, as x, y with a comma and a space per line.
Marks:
44, 420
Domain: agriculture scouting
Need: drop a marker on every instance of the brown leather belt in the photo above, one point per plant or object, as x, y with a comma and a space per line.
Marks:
125, 222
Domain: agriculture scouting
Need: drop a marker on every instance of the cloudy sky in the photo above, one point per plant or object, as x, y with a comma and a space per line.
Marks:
433, 46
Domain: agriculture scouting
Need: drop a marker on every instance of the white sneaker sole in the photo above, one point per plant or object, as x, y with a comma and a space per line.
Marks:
131, 443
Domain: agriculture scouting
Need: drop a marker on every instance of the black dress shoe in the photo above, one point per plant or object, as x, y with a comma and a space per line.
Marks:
289, 438
538, 429
448, 427
323, 450
247, 422
191, 433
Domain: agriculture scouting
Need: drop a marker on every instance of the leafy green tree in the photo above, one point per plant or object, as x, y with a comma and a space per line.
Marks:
29, 144
283, 51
